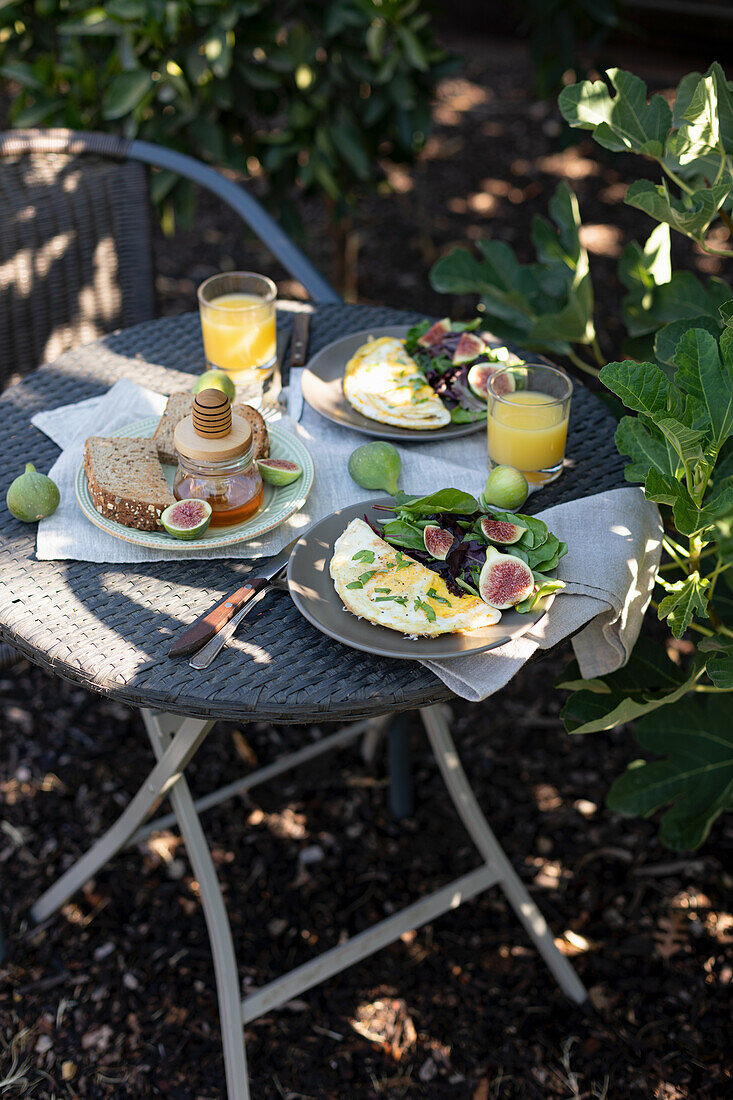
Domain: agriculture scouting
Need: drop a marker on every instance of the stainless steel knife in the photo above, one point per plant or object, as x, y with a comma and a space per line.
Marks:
207, 653
208, 625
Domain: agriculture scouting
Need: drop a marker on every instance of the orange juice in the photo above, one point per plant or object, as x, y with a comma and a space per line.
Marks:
528, 430
239, 333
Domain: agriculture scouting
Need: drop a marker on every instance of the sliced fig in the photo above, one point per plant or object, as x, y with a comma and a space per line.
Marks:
501, 531
468, 348
435, 333
278, 471
187, 519
438, 541
479, 375
505, 580
505, 383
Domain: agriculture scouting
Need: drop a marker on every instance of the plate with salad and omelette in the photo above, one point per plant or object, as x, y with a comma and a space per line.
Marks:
419, 382
436, 576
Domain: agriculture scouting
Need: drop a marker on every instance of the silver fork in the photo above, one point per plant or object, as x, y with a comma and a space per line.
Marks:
207, 653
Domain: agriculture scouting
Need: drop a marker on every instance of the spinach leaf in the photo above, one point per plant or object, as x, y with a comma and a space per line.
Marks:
444, 500
400, 532
466, 416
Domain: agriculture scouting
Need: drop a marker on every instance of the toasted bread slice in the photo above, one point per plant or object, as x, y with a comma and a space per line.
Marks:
181, 404
126, 481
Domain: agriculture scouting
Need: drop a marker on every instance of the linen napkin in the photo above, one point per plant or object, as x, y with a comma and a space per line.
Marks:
68, 534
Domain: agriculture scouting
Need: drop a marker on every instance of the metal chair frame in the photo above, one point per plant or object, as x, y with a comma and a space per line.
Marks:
77, 143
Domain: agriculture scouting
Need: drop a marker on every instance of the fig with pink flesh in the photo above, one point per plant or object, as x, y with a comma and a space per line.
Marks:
505, 580
438, 541
468, 348
501, 531
187, 519
435, 333
479, 375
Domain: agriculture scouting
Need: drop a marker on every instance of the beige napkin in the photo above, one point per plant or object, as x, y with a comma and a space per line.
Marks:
68, 534
614, 545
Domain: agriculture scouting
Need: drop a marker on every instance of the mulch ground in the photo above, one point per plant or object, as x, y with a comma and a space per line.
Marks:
115, 997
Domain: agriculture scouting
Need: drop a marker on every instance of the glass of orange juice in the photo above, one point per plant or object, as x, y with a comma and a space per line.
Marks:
527, 419
238, 325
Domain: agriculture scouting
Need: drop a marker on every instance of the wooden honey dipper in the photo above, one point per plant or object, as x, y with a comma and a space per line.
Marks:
211, 433
212, 414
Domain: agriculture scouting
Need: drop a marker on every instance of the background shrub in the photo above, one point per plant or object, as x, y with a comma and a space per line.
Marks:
311, 92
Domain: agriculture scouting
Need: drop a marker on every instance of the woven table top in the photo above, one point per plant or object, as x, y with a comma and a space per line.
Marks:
109, 627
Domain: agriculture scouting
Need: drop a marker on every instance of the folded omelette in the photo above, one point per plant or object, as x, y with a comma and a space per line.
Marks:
387, 587
383, 382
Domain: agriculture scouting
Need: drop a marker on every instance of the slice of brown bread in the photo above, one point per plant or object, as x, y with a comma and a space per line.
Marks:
126, 481
181, 404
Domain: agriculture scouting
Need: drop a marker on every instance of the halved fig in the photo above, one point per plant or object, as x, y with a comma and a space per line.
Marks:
501, 531
278, 471
468, 348
187, 519
505, 580
435, 333
438, 541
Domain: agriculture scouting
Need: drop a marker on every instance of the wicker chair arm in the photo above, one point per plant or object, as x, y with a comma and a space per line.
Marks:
72, 142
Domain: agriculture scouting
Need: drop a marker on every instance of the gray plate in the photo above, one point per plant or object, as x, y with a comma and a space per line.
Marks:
323, 390
315, 597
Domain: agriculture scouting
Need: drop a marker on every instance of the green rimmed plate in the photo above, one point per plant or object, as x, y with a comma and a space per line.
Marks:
279, 503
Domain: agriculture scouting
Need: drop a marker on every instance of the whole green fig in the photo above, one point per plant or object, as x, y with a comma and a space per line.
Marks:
376, 466
506, 488
32, 496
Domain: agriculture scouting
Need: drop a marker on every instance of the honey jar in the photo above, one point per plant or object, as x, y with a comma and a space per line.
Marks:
215, 461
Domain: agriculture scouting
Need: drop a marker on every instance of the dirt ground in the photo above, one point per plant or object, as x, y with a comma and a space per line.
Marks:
115, 997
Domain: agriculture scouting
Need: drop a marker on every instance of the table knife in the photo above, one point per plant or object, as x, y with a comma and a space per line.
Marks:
272, 398
197, 635
207, 653
299, 340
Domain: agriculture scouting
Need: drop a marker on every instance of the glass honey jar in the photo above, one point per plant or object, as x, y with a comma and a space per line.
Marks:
215, 461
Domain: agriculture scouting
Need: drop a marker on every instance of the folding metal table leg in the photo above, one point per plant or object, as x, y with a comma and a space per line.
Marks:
161, 728
190, 733
478, 827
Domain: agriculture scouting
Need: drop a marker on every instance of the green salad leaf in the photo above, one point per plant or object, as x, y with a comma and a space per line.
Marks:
445, 500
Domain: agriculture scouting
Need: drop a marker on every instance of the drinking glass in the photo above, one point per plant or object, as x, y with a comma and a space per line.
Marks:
238, 326
528, 408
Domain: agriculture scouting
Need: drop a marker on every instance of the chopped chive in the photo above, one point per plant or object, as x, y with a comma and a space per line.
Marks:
439, 599
364, 577
382, 589
354, 584
364, 555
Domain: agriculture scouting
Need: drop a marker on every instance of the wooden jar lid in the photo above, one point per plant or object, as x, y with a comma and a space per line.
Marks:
212, 433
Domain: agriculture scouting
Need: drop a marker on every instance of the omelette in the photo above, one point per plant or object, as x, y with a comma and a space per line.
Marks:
387, 587
383, 382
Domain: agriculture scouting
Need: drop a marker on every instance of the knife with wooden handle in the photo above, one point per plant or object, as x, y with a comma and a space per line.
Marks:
197, 635
299, 339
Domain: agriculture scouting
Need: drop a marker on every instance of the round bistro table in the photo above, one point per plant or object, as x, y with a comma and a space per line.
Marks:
109, 627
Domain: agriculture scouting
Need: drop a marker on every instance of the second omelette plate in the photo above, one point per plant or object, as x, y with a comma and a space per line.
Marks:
313, 593
323, 390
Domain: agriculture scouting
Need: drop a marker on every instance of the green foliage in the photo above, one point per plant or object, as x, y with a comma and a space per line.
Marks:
695, 771
560, 30
547, 305
649, 681
678, 386
312, 92
693, 144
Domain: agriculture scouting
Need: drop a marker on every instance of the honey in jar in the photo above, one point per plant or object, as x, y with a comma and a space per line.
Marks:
215, 461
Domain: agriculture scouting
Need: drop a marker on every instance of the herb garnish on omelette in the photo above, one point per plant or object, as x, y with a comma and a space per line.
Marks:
444, 563
436, 375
